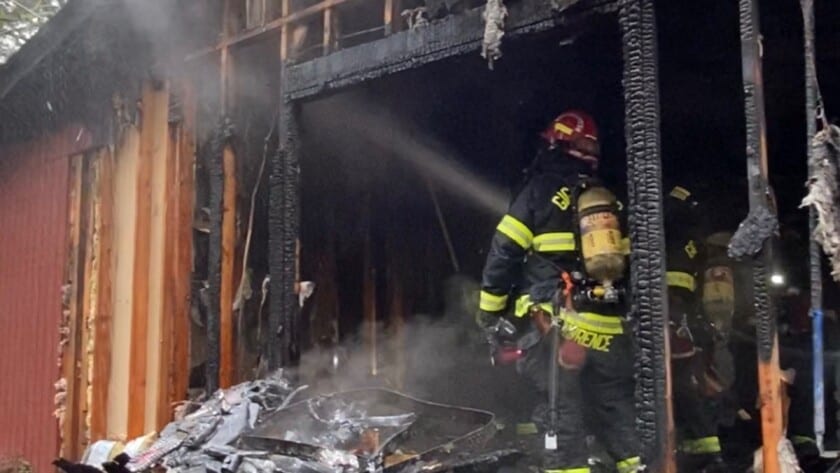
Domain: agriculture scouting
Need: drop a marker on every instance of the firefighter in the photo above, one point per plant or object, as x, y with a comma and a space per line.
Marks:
699, 445
538, 248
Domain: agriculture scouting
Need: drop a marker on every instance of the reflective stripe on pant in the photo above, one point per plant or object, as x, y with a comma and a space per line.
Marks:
702, 446
629, 465
693, 418
583, 469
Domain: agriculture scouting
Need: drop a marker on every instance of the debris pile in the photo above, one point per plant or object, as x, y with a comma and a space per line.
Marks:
266, 426
202, 440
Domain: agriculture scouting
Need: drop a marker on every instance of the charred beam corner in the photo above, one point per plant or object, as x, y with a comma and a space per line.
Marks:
284, 222
644, 177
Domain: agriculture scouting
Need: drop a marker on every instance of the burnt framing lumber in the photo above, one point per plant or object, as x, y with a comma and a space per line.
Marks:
461, 34
762, 219
649, 304
284, 226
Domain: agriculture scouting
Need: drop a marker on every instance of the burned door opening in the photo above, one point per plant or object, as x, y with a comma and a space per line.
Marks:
403, 180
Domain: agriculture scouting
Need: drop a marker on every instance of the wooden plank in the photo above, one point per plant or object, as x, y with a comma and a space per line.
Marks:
285, 30
228, 290
68, 422
328, 30
184, 238
153, 100
168, 282
104, 306
391, 16
88, 290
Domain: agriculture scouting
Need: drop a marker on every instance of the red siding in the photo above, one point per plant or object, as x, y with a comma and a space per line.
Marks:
33, 224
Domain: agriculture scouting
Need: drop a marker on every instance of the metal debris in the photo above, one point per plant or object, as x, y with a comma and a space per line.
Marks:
255, 428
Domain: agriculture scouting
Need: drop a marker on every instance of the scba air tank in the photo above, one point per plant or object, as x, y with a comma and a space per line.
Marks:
600, 235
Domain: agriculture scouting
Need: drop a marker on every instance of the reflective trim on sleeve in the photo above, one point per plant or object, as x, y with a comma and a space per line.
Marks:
601, 324
491, 302
560, 241
681, 279
516, 231
701, 446
629, 465
524, 304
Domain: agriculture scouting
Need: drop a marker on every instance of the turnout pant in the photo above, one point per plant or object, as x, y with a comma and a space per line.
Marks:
597, 399
695, 422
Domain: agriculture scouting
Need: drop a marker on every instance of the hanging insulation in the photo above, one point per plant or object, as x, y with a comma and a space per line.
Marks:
824, 196
494, 16
644, 178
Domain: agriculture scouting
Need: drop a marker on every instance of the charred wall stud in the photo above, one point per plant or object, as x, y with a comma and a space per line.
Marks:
284, 222
753, 236
644, 176
812, 104
214, 260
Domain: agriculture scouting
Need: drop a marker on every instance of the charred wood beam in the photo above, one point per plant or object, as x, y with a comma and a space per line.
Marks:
812, 104
284, 223
451, 36
762, 217
216, 174
644, 177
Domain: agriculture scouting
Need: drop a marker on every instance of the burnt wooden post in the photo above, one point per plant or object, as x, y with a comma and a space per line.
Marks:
812, 104
758, 227
284, 223
647, 261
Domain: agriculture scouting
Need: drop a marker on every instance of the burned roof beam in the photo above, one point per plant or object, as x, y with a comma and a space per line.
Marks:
451, 36
649, 304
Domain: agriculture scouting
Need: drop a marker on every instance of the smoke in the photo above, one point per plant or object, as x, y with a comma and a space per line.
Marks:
440, 357
342, 120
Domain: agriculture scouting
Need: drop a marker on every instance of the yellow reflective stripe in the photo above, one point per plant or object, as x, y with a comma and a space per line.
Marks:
491, 302
681, 279
563, 128
800, 439
680, 193
516, 231
583, 469
629, 465
524, 304
526, 428
625, 246
561, 241
601, 324
701, 446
